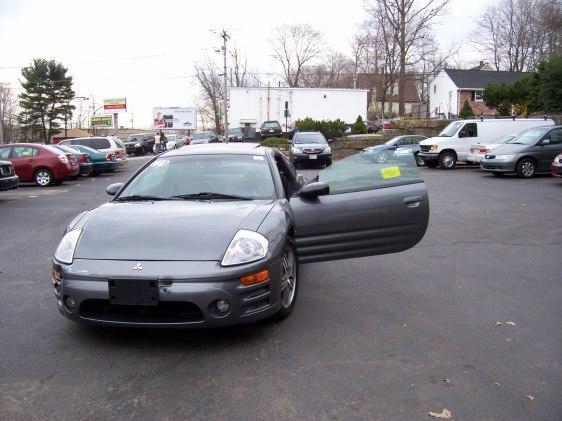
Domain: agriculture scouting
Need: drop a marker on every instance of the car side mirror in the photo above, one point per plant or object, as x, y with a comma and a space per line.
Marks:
315, 189
112, 189
462, 134
545, 141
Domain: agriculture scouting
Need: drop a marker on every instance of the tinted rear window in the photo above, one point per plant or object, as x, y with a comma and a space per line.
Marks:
94, 142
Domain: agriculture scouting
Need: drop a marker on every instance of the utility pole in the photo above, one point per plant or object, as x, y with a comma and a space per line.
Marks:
2, 113
225, 38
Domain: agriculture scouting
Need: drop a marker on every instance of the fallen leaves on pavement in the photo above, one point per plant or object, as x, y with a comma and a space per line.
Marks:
508, 323
530, 397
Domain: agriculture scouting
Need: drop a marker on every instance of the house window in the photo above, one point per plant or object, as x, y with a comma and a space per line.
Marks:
477, 96
434, 89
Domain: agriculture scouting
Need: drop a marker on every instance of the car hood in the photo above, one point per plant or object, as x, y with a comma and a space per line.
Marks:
435, 140
378, 148
132, 142
166, 230
508, 149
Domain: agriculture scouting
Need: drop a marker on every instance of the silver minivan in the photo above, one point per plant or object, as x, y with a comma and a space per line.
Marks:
106, 144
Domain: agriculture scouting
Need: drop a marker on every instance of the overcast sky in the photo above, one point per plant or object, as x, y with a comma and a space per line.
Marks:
145, 51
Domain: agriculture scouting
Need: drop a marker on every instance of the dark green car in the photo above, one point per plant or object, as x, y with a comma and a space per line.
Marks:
103, 162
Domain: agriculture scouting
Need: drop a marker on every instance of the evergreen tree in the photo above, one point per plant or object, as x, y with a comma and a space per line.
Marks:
359, 126
466, 110
45, 101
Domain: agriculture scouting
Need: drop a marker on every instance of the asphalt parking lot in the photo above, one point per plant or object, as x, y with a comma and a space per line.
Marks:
468, 320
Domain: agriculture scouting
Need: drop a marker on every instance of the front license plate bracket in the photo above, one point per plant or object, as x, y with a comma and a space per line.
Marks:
133, 292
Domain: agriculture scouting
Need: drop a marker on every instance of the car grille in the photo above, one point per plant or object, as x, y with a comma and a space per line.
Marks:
424, 148
6, 170
164, 312
312, 150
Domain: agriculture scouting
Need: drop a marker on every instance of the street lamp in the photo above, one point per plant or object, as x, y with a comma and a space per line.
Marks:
84, 98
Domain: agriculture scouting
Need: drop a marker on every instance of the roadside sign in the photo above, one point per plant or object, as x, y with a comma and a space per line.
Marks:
115, 105
101, 121
176, 118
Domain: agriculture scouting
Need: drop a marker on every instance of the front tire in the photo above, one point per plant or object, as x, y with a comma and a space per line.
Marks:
419, 161
289, 281
526, 168
44, 178
447, 161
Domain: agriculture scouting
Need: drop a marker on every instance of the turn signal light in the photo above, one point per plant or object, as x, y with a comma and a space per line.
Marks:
255, 278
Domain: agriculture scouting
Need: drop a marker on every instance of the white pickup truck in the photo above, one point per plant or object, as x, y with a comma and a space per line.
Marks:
453, 143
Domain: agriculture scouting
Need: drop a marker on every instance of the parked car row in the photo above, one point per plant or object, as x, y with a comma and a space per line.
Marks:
47, 165
523, 146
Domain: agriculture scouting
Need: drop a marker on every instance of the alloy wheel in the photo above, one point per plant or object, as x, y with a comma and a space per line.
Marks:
528, 169
448, 161
43, 178
288, 277
420, 161
381, 158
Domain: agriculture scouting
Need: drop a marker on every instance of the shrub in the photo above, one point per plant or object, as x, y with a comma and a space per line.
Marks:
274, 142
359, 126
466, 110
331, 129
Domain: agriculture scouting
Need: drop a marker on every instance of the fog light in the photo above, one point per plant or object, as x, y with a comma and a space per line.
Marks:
69, 302
223, 306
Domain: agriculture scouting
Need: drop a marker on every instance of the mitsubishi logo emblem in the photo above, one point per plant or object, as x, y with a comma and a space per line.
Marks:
138, 266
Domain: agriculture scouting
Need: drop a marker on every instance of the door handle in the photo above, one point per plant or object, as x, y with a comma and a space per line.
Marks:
413, 201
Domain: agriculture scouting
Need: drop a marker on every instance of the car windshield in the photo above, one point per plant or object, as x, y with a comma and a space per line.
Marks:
393, 141
196, 177
309, 138
66, 149
271, 125
87, 149
202, 135
235, 131
134, 138
54, 150
451, 129
528, 137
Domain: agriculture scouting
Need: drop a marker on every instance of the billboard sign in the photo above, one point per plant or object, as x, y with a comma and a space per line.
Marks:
176, 118
115, 105
101, 121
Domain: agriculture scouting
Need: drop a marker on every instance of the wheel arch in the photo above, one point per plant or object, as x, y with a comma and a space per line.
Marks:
449, 150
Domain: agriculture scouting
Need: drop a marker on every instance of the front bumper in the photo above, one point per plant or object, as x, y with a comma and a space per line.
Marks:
556, 170
497, 165
134, 149
428, 156
320, 158
186, 293
7, 183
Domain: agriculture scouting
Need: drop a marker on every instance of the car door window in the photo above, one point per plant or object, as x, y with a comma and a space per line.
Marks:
25, 152
5, 153
364, 172
555, 136
470, 130
288, 175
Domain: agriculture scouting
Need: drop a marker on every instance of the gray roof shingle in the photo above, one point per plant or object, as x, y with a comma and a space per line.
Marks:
479, 79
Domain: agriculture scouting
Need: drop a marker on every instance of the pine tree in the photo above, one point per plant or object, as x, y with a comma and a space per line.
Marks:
46, 98
466, 110
359, 126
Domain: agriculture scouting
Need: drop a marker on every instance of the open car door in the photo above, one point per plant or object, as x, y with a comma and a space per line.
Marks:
371, 208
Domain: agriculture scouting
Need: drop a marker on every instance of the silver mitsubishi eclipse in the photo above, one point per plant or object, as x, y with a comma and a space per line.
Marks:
213, 235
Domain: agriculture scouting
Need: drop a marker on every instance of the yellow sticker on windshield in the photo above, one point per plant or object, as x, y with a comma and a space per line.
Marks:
390, 172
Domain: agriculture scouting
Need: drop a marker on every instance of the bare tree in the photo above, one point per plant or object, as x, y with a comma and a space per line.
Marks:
515, 35
8, 115
211, 92
294, 48
239, 69
335, 71
409, 24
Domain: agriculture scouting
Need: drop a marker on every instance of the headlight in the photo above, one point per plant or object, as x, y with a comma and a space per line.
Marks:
296, 150
328, 150
246, 246
434, 147
65, 250
505, 156
137, 145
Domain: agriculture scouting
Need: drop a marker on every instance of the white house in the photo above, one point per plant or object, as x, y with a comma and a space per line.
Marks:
452, 87
250, 107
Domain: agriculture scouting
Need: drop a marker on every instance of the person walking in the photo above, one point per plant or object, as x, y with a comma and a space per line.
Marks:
157, 140
163, 142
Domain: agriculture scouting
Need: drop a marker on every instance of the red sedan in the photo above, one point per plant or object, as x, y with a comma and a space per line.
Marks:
556, 166
43, 164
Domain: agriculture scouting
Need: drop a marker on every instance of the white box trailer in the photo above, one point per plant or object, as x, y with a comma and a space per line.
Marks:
250, 107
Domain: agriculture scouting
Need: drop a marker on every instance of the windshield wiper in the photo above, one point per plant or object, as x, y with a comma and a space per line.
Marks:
209, 196
139, 198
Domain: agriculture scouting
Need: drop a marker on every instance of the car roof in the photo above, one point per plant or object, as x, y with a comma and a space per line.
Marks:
220, 149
